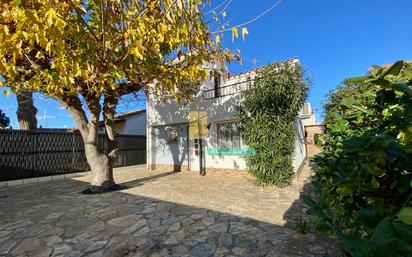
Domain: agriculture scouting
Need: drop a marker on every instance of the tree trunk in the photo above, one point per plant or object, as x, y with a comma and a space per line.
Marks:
100, 160
101, 170
26, 111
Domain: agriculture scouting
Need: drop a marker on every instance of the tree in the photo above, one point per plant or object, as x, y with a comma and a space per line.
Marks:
88, 54
363, 176
26, 111
4, 120
267, 118
331, 106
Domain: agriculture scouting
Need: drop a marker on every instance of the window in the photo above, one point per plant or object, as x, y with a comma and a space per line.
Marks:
228, 135
172, 136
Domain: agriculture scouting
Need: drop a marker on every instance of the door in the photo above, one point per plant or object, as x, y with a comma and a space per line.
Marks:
194, 155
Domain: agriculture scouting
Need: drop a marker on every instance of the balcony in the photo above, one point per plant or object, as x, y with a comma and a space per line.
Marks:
226, 90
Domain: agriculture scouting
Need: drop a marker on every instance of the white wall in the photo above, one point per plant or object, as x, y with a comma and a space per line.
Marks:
134, 125
218, 109
300, 149
162, 152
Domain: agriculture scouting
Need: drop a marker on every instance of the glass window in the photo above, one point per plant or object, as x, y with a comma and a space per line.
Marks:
228, 135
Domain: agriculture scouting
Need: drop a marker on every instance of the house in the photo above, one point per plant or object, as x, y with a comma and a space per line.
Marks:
169, 146
307, 115
129, 123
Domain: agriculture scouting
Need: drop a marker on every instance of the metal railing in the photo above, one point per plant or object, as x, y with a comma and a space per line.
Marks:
26, 154
227, 90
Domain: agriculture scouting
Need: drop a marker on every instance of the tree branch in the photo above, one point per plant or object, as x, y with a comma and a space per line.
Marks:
249, 21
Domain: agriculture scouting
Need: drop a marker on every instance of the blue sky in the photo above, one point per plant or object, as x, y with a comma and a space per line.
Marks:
334, 39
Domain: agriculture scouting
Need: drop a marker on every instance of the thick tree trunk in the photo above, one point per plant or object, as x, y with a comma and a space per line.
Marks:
101, 170
26, 111
100, 160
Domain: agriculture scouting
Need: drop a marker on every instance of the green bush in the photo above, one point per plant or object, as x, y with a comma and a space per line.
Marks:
363, 176
266, 117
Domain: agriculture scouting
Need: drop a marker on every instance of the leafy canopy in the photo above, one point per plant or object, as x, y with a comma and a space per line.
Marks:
364, 175
97, 47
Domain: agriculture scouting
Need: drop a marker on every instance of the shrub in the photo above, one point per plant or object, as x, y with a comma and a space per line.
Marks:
363, 176
266, 117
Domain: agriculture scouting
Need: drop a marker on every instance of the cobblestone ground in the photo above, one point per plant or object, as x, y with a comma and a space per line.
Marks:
157, 214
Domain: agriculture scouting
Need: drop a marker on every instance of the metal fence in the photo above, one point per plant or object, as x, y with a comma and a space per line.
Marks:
26, 154
226, 90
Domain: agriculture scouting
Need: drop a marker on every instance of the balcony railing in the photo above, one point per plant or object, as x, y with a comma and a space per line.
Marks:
227, 90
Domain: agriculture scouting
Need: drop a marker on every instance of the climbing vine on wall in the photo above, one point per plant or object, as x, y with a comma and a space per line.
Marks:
267, 117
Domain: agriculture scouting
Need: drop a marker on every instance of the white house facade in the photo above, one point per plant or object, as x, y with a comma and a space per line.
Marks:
169, 146
307, 115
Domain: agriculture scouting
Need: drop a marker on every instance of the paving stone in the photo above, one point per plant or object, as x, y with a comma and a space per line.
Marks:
175, 237
52, 240
5, 233
6, 246
225, 239
175, 227
43, 252
96, 246
221, 252
74, 254
27, 245
174, 215
143, 231
136, 226
203, 250
62, 248
124, 221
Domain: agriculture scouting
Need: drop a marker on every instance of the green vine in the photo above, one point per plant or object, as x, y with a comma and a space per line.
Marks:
267, 117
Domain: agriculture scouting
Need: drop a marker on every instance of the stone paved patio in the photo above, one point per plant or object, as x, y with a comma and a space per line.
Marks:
158, 214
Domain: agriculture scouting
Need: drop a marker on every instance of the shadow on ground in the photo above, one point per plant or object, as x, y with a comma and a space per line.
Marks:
54, 219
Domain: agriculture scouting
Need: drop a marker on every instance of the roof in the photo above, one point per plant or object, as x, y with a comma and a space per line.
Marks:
125, 115
255, 70
387, 66
245, 73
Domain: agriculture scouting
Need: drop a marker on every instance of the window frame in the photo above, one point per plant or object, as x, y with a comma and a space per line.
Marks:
172, 139
219, 138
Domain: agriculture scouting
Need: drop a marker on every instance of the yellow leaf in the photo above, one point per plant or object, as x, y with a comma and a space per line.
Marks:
6, 93
48, 47
224, 14
244, 33
218, 40
235, 33
40, 55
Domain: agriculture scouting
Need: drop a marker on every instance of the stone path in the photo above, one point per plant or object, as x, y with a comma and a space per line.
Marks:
158, 214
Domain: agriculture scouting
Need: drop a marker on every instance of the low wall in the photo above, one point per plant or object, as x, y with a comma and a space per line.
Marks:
310, 132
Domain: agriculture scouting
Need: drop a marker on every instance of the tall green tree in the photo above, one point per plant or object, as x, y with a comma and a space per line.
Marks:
4, 120
88, 54
267, 117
